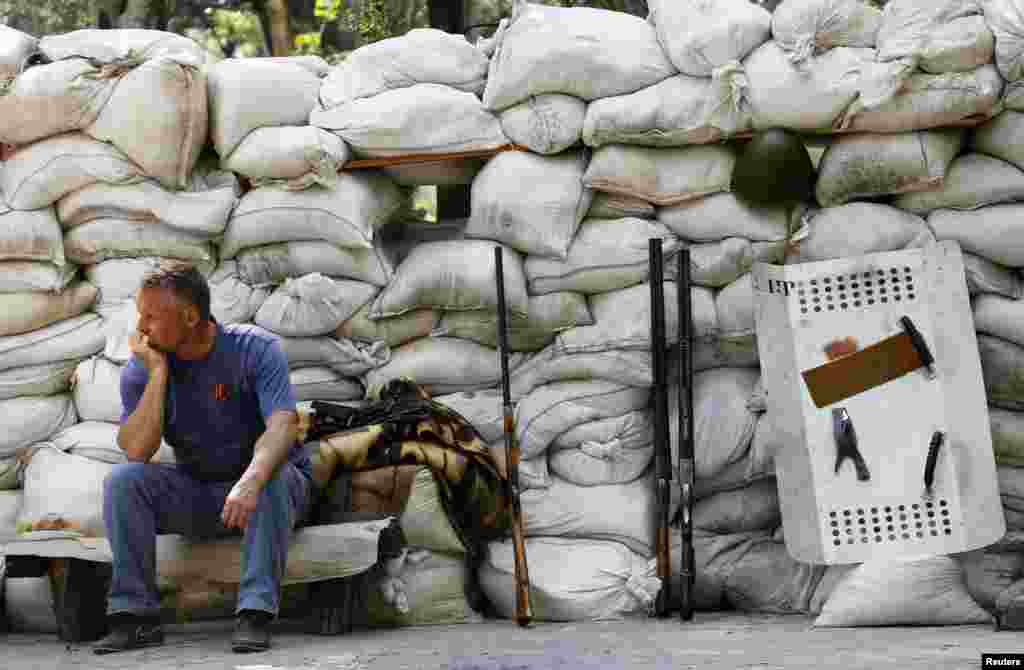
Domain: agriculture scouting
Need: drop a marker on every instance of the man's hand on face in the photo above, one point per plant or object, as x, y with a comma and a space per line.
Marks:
240, 503
152, 358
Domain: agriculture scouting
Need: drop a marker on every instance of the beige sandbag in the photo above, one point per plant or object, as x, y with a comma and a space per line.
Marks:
754, 507
119, 278
973, 181
111, 44
27, 420
233, 300
323, 383
699, 37
735, 309
393, 330
677, 111
984, 276
1007, 431
312, 305
41, 379
104, 239
756, 464
41, 173
10, 501
938, 35
31, 235
430, 590
18, 276
424, 521
1000, 361
718, 264
1000, 317
663, 177
70, 339
806, 28
97, 390
28, 311
988, 574
453, 275
614, 206
482, 409
865, 165
632, 367
546, 124
723, 215
349, 358
300, 155
1001, 137
903, 592
273, 263
855, 229
1006, 21
992, 232
543, 224
607, 451
17, 48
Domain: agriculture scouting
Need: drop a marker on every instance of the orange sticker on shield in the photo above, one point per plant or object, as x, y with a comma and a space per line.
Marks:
220, 391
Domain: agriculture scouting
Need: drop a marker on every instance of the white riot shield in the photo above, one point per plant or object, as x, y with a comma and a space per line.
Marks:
877, 458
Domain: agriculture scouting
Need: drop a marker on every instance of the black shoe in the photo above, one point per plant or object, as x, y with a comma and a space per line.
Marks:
128, 633
252, 631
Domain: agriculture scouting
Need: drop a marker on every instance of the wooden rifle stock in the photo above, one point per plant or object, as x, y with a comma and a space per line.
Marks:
524, 613
688, 569
662, 447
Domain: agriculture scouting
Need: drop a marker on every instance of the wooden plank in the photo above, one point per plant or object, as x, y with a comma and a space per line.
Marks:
407, 159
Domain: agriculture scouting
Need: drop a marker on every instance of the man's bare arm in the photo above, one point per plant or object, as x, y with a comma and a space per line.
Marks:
270, 452
140, 435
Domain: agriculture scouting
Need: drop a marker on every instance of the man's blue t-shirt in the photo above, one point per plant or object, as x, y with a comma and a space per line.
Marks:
217, 407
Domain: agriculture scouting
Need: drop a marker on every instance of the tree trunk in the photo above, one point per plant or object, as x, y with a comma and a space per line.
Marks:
280, 34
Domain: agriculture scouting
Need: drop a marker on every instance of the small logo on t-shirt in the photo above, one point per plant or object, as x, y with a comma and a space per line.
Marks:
220, 391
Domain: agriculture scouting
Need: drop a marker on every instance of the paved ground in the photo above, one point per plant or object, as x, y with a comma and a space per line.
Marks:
713, 641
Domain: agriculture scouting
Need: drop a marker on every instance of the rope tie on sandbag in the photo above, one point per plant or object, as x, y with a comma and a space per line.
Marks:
611, 450
115, 68
643, 587
733, 76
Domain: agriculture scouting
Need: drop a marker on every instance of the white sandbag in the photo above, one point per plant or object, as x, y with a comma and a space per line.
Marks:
632, 367
811, 96
806, 28
550, 410
622, 320
41, 379
618, 512
710, 354
233, 300
735, 309
393, 330
323, 383
42, 173
701, 36
1005, 19
614, 206
442, 365
482, 409
119, 278
433, 592
605, 255
420, 56
17, 48
973, 180
10, 501
30, 419
867, 165
855, 229
572, 580
903, 591
273, 263
1000, 362
992, 232
937, 35
349, 358
302, 155
18, 276
63, 492
71, 339
1000, 317
984, 276
718, 264
677, 111
987, 574
250, 93
27, 311
54, 98
663, 177
346, 215
754, 507
546, 124
723, 215
31, 236
755, 465
111, 44
202, 207
424, 118
607, 451
1007, 430
97, 441
104, 239
453, 275
1001, 137
97, 390
543, 224
580, 51
548, 315
312, 305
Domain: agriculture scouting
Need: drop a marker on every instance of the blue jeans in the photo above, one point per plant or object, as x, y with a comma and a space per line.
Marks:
142, 500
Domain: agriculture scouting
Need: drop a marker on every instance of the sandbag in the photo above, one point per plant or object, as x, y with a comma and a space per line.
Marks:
1001, 362
856, 229
608, 451
580, 51
723, 215
119, 278
18, 276
346, 215
111, 44
453, 275
30, 419
756, 464
96, 440
232, 300
1000, 317
17, 48
30, 604
718, 264
677, 111
481, 409
550, 410
273, 263
349, 358
10, 501
1007, 428
202, 207
27, 311
546, 124
71, 339
1011, 492
548, 315
1001, 137
735, 310
41, 173
104, 239
97, 390
39, 380
421, 119
393, 330
987, 574
618, 512
542, 224
903, 591
1005, 19
431, 590
420, 56
442, 365
300, 155
973, 181
984, 276
806, 28
992, 232
605, 255
323, 383
663, 177
457, 171
866, 165
937, 35
31, 236
699, 37
572, 580
753, 507
312, 305
614, 206
63, 492
632, 367
250, 93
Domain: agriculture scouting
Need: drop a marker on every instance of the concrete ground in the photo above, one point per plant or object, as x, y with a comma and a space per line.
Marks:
713, 641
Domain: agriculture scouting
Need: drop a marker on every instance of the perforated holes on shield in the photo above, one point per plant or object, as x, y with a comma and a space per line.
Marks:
890, 523
856, 290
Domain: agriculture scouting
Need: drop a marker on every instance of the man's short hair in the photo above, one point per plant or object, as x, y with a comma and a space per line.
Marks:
185, 281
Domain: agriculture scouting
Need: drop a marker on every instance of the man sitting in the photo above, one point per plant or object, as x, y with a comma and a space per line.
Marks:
220, 395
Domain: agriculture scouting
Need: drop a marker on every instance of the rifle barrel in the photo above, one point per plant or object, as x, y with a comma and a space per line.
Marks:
662, 447
686, 464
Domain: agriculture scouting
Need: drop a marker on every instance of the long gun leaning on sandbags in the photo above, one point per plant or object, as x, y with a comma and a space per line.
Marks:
685, 472
522, 576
